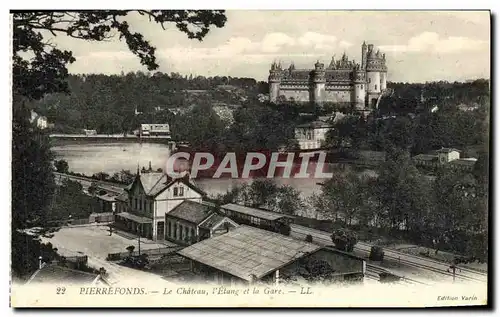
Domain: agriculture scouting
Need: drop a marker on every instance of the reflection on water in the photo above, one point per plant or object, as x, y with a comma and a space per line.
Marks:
114, 157
219, 186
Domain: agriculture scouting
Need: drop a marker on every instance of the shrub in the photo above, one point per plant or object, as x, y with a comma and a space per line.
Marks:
130, 249
309, 238
376, 253
344, 239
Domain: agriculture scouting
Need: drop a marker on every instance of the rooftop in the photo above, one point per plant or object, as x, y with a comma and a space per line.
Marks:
190, 211
135, 218
211, 221
154, 183
315, 125
259, 213
463, 162
247, 251
446, 150
122, 197
107, 197
100, 214
425, 157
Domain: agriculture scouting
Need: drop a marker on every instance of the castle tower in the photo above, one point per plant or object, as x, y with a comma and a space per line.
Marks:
383, 74
373, 68
319, 80
364, 50
359, 83
274, 82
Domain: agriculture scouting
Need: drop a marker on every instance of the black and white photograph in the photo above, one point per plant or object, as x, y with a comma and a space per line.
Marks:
250, 158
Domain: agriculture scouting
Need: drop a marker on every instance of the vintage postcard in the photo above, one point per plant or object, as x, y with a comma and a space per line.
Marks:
219, 158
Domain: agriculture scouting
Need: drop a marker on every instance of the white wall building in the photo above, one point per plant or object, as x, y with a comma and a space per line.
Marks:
40, 121
142, 208
311, 135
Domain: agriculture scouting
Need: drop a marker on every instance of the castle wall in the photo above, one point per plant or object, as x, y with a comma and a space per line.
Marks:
373, 81
359, 95
383, 81
319, 92
338, 95
274, 90
301, 94
343, 81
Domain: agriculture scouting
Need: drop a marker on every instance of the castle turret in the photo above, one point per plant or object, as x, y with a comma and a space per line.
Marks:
383, 74
319, 80
364, 50
359, 83
274, 82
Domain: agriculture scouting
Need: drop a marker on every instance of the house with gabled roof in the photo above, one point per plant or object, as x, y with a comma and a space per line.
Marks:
142, 207
247, 255
192, 221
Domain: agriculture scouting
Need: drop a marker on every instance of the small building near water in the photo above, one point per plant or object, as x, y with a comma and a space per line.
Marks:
310, 136
445, 157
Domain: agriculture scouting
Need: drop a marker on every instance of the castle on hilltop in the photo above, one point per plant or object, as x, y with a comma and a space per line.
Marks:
343, 82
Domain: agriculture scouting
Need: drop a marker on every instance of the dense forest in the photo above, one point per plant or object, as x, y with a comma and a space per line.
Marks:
109, 103
422, 117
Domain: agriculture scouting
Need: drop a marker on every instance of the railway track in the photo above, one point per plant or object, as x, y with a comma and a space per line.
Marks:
86, 181
437, 267
430, 265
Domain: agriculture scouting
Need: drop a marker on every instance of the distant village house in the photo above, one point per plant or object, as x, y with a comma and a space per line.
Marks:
38, 120
154, 129
310, 136
445, 157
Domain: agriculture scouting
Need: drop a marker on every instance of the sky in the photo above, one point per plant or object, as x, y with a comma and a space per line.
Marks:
419, 45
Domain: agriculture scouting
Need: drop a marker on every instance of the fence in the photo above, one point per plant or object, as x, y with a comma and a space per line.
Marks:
74, 262
101, 217
84, 221
149, 252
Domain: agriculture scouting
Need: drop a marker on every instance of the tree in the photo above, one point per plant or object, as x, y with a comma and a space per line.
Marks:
44, 70
102, 176
344, 239
32, 178
201, 127
40, 68
262, 192
288, 200
343, 196
401, 193
124, 177
461, 223
71, 201
61, 166
130, 249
